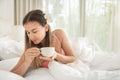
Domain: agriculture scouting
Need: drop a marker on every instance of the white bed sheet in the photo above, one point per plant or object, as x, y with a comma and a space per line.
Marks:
39, 74
6, 75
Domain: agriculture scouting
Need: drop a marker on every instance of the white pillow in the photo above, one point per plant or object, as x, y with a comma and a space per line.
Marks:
8, 64
5, 27
84, 49
18, 33
10, 48
5, 75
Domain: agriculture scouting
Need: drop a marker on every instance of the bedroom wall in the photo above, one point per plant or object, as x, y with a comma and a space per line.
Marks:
7, 10
7, 27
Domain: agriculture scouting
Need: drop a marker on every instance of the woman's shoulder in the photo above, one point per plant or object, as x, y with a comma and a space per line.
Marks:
58, 32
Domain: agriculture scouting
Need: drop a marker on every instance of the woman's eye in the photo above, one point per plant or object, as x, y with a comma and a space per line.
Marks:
35, 32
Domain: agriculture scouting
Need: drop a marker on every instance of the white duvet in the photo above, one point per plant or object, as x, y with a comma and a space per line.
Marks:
57, 71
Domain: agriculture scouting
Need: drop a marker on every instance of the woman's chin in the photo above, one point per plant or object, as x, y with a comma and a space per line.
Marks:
36, 42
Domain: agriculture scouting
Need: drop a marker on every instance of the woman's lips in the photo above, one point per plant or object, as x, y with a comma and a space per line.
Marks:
34, 40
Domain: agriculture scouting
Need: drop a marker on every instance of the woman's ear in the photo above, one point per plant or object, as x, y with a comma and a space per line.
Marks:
46, 27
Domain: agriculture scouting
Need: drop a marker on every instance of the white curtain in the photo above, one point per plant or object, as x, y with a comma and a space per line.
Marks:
114, 38
64, 14
102, 23
22, 7
96, 19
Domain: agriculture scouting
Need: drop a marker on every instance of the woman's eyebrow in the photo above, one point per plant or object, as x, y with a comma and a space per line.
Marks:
31, 30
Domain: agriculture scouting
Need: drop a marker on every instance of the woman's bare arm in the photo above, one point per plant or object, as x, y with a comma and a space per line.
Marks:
21, 67
69, 57
25, 61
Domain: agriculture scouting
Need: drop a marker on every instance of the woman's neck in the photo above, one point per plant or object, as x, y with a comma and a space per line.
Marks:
43, 42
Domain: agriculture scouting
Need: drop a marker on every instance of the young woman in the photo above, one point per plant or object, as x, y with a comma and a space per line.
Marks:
37, 35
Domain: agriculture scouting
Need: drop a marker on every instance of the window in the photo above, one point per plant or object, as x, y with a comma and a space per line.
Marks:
99, 23
64, 14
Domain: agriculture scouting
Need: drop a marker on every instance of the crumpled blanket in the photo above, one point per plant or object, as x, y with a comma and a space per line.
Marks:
65, 72
80, 71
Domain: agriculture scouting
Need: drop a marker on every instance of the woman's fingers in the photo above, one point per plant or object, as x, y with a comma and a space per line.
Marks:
33, 52
48, 58
45, 58
54, 56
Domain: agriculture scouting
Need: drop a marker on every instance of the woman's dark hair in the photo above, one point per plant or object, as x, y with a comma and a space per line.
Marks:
38, 16
35, 15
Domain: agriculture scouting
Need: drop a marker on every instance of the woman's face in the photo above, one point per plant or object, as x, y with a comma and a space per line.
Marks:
35, 31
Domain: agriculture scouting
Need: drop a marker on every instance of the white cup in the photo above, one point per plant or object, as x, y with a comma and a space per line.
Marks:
47, 51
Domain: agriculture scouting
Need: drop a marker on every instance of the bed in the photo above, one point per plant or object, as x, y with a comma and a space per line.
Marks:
57, 71
91, 64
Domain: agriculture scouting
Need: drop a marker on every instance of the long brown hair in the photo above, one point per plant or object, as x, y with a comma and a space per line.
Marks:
39, 16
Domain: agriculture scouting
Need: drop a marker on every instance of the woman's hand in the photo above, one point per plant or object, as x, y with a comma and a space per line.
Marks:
31, 53
48, 58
